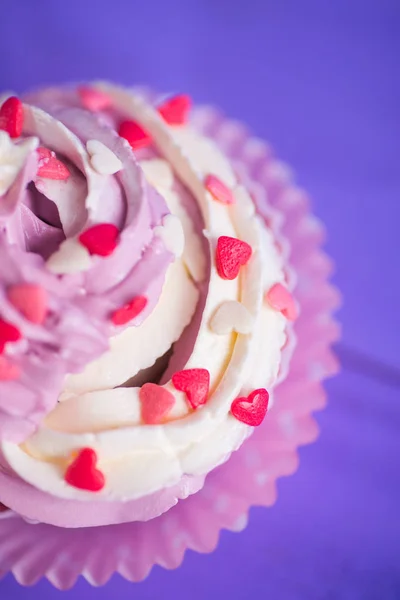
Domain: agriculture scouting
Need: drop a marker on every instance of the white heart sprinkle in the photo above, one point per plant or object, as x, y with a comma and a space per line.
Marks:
70, 258
171, 233
231, 316
102, 159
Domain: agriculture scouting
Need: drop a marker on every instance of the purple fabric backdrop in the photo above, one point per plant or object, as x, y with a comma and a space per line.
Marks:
319, 80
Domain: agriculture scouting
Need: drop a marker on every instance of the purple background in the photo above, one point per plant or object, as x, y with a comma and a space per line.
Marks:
320, 80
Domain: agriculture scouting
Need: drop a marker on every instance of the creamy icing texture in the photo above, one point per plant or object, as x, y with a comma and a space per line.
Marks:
153, 305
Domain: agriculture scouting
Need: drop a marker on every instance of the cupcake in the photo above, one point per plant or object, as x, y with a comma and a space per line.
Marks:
148, 254
144, 305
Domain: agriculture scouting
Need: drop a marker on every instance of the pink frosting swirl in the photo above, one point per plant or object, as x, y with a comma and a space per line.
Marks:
38, 215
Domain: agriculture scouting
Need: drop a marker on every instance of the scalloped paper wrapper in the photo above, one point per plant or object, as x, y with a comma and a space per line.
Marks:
32, 551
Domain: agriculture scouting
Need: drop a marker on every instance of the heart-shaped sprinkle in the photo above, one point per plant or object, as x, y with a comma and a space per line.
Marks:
231, 255
175, 111
134, 134
8, 333
71, 257
30, 300
195, 383
12, 116
83, 474
102, 159
251, 410
101, 239
50, 167
282, 300
231, 316
93, 99
129, 311
218, 190
171, 233
156, 402
8, 371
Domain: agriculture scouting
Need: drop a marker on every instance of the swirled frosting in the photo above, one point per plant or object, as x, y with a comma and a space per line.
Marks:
162, 309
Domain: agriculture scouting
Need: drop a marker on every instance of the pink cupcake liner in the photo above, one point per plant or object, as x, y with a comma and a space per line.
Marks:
32, 551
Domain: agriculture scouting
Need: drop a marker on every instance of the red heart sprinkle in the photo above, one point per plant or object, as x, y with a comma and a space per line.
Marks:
30, 300
8, 371
101, 239
231, 255
44, 154
134, 134
282, 300
129, 311
12, 117
218, 190
251, 410
93, 99
8, 333
175, 111
50, 167
195, 383
83, 474
156, 403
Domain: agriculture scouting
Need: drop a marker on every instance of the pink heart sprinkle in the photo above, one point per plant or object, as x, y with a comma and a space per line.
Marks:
83, 473
30, 300
50, 167
93, 99
218, 190
195, 383
175, 111
8, 333
101, 239
12, 117
251, 410
129, 311
156, 402
231, 255
134, 134
282, 300
8, 371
